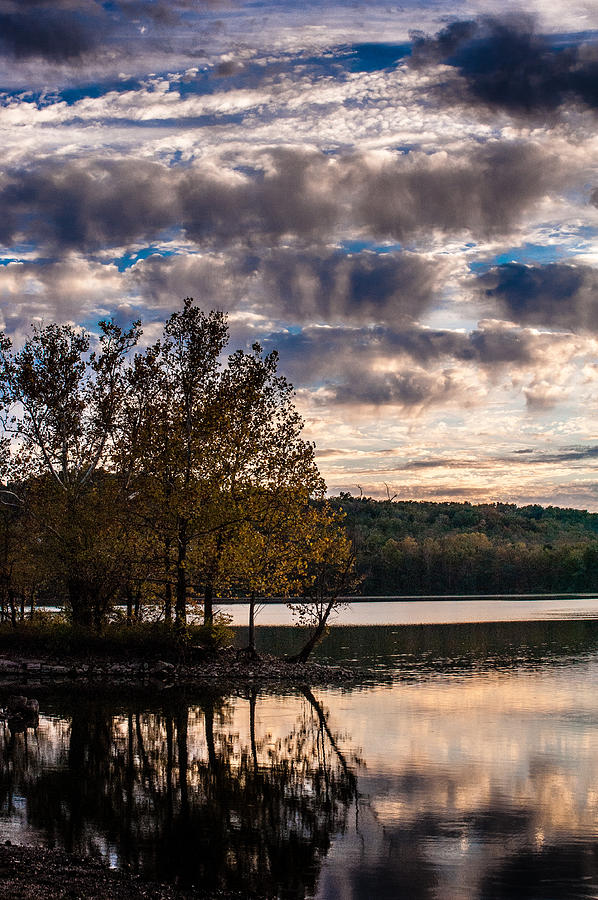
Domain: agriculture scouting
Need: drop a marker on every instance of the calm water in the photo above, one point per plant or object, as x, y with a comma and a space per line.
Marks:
433, 612
465, 766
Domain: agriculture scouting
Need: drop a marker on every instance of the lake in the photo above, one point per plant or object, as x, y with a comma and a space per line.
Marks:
464, 766
436, 611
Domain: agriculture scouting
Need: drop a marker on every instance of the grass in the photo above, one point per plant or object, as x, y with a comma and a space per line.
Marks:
58, 637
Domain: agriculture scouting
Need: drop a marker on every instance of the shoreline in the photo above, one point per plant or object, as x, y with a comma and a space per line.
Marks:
34, 872
227, 669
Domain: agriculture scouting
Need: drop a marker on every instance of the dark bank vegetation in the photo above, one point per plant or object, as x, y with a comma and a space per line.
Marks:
158, 481
408, 547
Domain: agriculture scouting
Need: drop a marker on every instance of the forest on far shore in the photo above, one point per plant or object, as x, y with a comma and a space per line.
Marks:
421, 547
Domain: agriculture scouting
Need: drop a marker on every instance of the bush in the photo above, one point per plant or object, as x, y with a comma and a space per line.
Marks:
57, 636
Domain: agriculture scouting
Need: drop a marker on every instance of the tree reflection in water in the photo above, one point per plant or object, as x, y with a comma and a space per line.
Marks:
185, 795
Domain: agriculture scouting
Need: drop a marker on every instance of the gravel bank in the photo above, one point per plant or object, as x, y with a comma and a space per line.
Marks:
228, 670
36, 873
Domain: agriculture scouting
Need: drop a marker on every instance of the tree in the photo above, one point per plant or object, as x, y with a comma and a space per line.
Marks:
216, 454
266, 556
21, 569
168, 442
268, 475
177, 472
59, 403
328, 573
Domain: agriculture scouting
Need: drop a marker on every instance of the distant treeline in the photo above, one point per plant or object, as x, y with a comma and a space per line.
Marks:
409, 547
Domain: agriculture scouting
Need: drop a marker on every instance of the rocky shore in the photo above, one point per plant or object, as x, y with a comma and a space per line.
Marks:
228, 669
37, 873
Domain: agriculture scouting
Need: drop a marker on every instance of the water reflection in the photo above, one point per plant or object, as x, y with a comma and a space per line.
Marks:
463, 781
195, 793
423, 650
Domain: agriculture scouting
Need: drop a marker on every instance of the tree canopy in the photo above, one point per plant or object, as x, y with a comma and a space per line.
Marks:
166, 476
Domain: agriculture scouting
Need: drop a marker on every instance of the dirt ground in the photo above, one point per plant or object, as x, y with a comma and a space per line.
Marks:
35, 873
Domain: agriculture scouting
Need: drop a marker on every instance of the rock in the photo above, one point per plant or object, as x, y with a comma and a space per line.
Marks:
9, 665
60, 670
17, 704
22, 713
162, 669
32, 707
167, 666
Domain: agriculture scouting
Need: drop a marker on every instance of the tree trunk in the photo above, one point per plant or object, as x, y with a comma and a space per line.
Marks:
129, 597
315, 638
326, 728
168, 601
208, 713
251, 642
168, 586
182, 719
208, 607
208, 604
80, 603
252, 704
180, 609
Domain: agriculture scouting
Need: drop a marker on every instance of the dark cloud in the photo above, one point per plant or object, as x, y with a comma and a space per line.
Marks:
500, 345
555, 295
319, 354
292, 195
408, 367
505, 63
407, 388
88, 204
530, 458
484, 193
361, 287
491, 346
289, 194
55, 32
67, 30
160, 282
567, 454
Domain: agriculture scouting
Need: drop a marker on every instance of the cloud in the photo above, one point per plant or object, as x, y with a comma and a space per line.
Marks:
340, 287
566, 454
542, 394
68, 290
411, 388
54, 32
556, 295
287, 193
506, 64
316, 354
67, 30
159, 282
483, 192
76, 289
417, 367
87, 204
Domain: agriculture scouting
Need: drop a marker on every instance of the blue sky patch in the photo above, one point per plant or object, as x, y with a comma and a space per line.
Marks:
129, 259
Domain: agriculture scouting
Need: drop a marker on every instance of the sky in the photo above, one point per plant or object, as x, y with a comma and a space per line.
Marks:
402, 199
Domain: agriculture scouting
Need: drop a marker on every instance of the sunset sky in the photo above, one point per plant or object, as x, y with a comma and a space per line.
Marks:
402, 199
